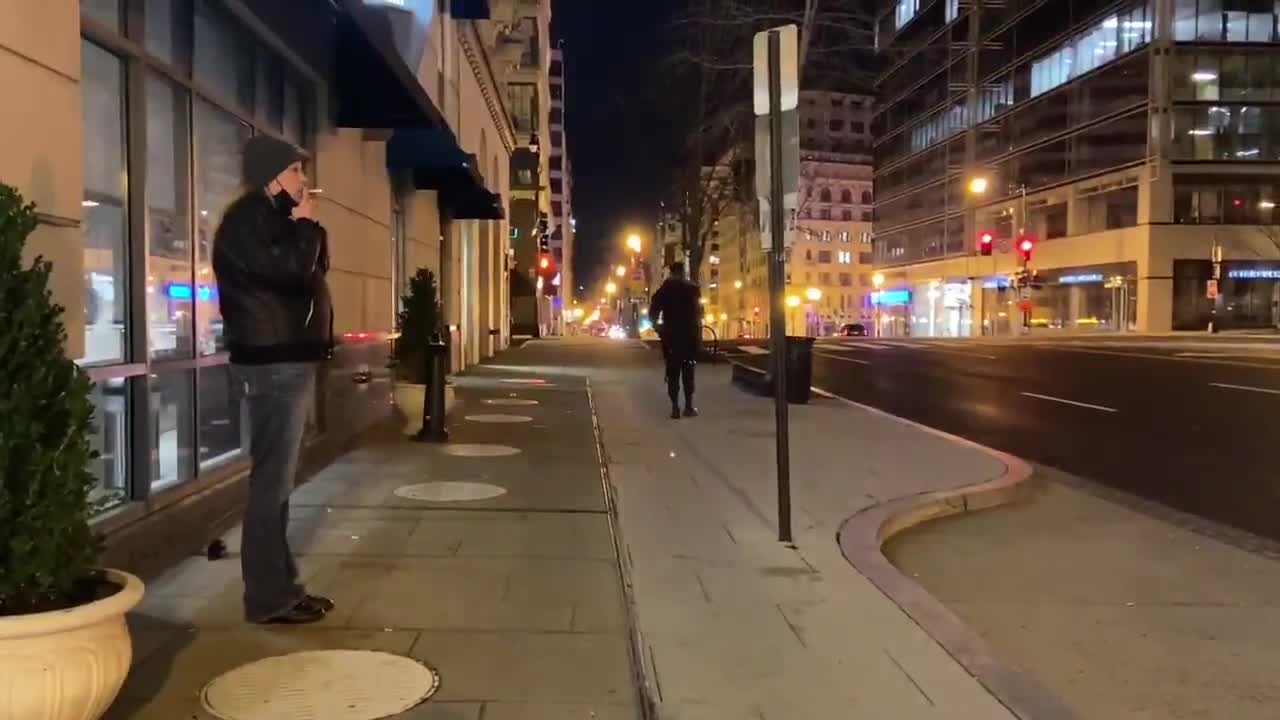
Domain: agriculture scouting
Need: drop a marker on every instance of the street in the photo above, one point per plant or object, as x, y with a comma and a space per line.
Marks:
1186, 423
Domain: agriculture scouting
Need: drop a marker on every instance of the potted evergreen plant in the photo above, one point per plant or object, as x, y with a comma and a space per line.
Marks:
420, 319
64, 645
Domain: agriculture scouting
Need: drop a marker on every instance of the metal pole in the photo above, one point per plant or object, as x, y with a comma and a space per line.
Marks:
777, 288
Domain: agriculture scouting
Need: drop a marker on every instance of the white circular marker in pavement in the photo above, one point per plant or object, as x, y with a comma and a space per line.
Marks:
478, 450
333, 684
499, 419
450, 491
511, 402
524, 381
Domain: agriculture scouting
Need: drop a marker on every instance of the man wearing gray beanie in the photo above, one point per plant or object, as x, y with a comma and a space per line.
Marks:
270, 258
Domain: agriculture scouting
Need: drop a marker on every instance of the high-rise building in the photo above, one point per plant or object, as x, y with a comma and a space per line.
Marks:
562, 222
1121, 142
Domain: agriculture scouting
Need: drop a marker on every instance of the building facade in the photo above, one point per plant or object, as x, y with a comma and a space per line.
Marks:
134, 116
562, 223
1124, 140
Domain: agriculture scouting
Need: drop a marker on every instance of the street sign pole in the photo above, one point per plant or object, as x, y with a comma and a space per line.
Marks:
777, 288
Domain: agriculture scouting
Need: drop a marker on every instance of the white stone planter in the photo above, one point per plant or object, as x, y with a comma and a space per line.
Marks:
67, 664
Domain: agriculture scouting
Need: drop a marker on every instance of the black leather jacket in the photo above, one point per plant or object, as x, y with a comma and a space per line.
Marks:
272, 291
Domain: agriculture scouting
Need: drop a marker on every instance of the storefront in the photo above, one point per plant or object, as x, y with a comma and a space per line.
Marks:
942, 308
892, 312
1095, 298
1249, 294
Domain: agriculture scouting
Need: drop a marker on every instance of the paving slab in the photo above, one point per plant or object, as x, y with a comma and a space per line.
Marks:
515, 600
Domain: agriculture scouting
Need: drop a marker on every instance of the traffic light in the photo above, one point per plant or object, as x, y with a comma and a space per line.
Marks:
1025, 245
546, 268
986, 241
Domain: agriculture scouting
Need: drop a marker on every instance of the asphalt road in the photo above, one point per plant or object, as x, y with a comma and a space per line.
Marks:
1190, 423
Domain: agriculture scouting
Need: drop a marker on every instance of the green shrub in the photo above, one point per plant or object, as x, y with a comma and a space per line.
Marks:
46, 422
419, 321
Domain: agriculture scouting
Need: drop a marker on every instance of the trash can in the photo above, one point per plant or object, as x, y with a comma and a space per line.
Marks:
799, 369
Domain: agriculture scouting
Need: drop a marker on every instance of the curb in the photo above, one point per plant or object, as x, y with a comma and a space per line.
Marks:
646, 693
862, 536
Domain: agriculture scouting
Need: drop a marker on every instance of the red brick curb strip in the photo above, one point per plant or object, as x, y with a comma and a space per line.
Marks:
861, 537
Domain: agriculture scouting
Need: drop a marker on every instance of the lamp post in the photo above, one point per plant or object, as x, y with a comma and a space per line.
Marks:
813, 295
877, 281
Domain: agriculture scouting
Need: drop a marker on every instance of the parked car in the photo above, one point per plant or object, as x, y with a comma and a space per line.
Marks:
852, 330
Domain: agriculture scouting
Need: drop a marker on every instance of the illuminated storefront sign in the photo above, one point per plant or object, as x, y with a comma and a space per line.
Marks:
891, 297
182, 291
1082, 278
1254, 274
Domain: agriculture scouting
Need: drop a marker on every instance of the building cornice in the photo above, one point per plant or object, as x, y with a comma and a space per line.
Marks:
473, 48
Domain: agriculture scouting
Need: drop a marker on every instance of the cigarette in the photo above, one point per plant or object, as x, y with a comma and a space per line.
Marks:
315, 191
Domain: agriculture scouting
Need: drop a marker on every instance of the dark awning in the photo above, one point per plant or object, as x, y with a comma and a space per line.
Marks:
474, 204
433, 158
375, 88
470, 10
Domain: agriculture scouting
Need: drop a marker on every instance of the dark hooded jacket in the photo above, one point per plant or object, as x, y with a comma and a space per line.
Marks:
676, 305
272, 290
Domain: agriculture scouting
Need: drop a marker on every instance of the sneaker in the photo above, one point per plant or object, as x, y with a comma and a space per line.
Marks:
675, 413
303, 613
690, 411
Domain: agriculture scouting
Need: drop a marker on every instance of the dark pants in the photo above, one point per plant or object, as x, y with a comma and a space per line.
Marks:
279, 396
680, 365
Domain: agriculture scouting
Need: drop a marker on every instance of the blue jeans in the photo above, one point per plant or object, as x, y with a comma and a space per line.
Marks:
278, 397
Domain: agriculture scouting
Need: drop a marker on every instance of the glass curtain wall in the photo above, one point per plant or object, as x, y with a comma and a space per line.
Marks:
171, 90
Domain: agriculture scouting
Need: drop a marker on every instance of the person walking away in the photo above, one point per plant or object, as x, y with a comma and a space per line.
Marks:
676, 310
270, 258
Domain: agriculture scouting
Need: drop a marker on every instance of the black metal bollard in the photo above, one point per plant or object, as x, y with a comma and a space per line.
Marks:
436, 357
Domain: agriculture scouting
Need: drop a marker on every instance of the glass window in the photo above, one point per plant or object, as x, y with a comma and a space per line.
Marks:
295, 113
223, 61
173, 432
270, 90
224, 426
219, 138
106, 12
824, 256
1209, 20
111, 418
168, 32
846, 215
105, 223
171, 294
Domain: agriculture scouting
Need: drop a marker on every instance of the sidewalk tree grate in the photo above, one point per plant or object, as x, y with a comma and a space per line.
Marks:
499, 419
511, 402
450, 491
479, 450
333, 684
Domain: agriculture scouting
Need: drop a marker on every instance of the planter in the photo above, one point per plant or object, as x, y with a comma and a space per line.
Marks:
67, 664
409, 400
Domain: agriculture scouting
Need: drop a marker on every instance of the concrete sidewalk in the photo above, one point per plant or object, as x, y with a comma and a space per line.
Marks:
516, 600
734, 624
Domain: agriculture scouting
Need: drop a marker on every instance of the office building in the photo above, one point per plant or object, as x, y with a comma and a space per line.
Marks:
563, 225
133, 117
1121, 141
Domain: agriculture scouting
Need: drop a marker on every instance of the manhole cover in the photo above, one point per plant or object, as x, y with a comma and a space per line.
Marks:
499, 419
450, 491
333, 684
510, 402
477, 450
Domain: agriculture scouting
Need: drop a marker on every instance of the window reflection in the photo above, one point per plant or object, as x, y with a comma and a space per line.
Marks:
111, 441
105, 222
223, 418
219, 140
170, 292
172, 400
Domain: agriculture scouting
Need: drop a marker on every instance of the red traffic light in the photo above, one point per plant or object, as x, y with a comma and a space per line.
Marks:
1026, 245
986, 240
544, 263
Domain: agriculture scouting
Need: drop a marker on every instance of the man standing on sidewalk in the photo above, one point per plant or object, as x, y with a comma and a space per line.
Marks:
270, 257
676, 310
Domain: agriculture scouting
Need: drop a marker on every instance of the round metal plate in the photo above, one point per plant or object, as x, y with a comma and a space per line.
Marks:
499, 419
450, 491
477, 450
333, 684
511, 402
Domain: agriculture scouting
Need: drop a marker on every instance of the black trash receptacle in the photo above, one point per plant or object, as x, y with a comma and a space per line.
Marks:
799, 369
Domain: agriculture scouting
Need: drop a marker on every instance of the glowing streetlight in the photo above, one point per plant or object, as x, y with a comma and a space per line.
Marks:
621, 271
813, 294
877, 280
702, 301
633, 243
793, 301
611, 288
737, 284
978, 185
724, 316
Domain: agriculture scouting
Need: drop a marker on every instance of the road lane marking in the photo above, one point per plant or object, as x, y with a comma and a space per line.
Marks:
1248, 388
966, 353
878, 346
1170, 358
1051, 398
842, 358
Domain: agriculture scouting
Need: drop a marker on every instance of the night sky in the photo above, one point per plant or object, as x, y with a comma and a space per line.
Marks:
611, 59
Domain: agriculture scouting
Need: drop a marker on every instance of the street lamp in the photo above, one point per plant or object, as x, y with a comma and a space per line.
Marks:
813, 294
611, 288
737, 284
877, 281
621, 271
793, 301
633, 243
978, 185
